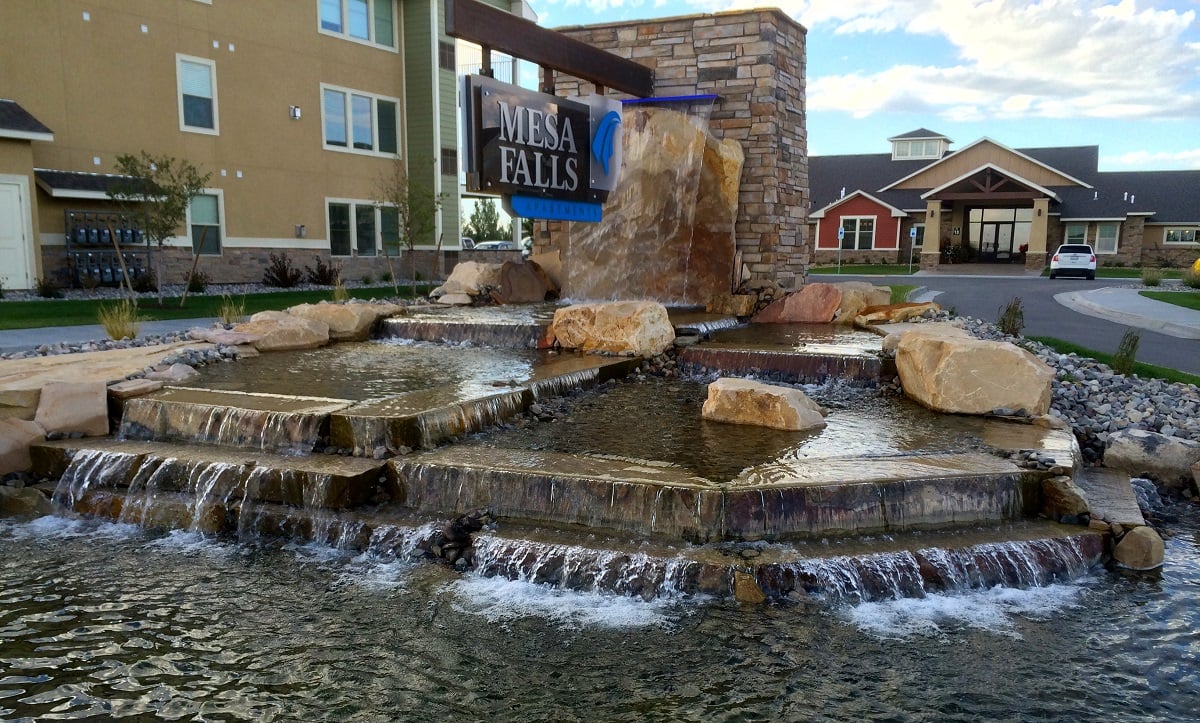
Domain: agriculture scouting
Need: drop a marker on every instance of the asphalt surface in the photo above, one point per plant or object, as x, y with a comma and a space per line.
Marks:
1092, 314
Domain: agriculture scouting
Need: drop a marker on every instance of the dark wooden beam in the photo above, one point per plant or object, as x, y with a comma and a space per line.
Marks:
478, 23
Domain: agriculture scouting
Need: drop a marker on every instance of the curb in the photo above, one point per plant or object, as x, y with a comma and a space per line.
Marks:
1079, 301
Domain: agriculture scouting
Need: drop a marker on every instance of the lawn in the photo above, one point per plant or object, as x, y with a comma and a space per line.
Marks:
867, 269
1186, 299
75, 312
1145, 371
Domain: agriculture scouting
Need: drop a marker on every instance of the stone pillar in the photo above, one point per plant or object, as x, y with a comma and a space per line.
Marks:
931, 251
1035, 257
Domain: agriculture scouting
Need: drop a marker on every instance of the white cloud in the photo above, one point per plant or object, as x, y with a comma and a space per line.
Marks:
1181, 160
1017, 59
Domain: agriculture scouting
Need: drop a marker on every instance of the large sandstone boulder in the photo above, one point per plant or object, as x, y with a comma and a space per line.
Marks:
470, 278
521, 283
74, 407
635, 328
1166, 460
896, 332
222, 336
970, 376
894, 313
858, 295
743, 401
813, 304
1061, 497
15, 437
347, 322
1140, 549
280, 331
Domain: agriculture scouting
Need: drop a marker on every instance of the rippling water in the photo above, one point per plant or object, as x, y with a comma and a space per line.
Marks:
104, 620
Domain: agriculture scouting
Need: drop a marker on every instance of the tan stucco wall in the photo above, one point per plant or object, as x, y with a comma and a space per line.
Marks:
967, 160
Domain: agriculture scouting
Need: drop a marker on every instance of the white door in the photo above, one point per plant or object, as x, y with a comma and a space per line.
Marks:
14, 252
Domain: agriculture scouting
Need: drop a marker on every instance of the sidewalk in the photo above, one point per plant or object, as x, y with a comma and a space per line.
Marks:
1127, 306
24, 339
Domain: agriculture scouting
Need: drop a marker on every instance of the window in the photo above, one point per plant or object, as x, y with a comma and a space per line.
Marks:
357, 228
365, 21
204, 223
360, 121
916, 150
1181, 236
1076, 233
446, 56
860, 233
449, 161
1106, 237
919, 240
197, 79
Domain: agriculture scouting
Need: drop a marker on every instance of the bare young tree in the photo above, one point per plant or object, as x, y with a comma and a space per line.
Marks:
161, 187
409, 211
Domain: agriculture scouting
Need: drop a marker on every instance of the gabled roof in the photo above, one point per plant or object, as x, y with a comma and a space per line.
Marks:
920, 134
997, 169
981, 141
1171, 196
77, 184
16, 122
895, 212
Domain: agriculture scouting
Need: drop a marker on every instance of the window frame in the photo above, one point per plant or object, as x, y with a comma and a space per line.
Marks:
219, 193
1181, 230
354, 204
393, 45
180, 59
1100, 225
1080, 239
858, 231
348, 94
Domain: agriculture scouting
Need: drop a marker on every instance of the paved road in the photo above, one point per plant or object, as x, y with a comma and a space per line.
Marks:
984, 297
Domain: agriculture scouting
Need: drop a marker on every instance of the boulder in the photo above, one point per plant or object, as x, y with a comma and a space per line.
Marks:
173, 374
551, 265
1140, 549
470, 278
856, 296
19, 403
894, 313
455, 299
24, 502
521, 283
70, 407
969, 376
746, 589
15, 437
636, 328
1061, 497
731, 304
812, 304
131, 388
895, 332
1169, 461
743, 401
347, 322
280, 331
222, 336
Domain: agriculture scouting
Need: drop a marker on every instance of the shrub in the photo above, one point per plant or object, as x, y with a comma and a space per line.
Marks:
1, 290
119, 319
322, 273
88, 283
144, 284
366, 280
281, 272
1126, 354
386, 277
1191, 278
230, 311
340, 295
198, 283
1012, 318
1152, 277
47, 289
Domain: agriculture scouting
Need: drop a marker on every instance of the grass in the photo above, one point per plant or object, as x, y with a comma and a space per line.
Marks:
1145, 371
867, 269
119, 319
1186, 299
76, 312
900, 292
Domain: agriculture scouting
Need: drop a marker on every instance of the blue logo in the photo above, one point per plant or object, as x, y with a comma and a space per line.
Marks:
602, 143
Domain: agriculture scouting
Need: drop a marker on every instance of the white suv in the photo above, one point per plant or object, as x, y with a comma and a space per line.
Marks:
1073, 260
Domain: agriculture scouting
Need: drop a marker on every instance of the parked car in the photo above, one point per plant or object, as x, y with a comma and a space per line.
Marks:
468, 243
1073, 260
495, 246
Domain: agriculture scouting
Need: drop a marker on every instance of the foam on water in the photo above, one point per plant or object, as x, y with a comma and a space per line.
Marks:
53, 527
996, 610
499, 600
186, 542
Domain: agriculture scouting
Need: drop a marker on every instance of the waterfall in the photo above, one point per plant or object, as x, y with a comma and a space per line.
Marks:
150, 418
93, 468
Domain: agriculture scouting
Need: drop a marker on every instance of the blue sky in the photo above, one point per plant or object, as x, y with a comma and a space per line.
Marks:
1124, 76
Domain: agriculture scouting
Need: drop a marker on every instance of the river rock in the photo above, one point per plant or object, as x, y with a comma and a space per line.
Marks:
15, 437
634, 328
1061, 497
280, 331
969, 376
856, 296
1169, 461
813, 304
894, 313
24, 502
1140, 549
347, 322
744, 401
69, 407
521, 283
470, 278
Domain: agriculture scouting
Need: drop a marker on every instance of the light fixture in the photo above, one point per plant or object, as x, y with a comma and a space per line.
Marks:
294, 112
1039, 212
301, 231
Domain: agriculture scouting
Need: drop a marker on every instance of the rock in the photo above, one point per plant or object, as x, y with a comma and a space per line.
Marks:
746, 589
1169, 461
1061, 497
731, 304
347, 322
15, 437
19, 403
743, 401
856, 296
894, 313
551, 265
455, 299
635, 328
896, 332
521, 283
280, 331
969, 376
1196, 475
470, 278
813, 304
1140, 549
131, 388
174, 374
224, 337
74, 407
24, 502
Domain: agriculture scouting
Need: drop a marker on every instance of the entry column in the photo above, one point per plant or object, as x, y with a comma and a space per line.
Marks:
1035, 257
931, 251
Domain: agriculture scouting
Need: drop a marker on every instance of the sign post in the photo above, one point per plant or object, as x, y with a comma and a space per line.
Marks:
912, 244
841, 236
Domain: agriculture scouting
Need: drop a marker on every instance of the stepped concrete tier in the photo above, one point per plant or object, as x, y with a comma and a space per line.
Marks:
742, 401
426, 418
268, 422
970, 376
793, 353
637, 328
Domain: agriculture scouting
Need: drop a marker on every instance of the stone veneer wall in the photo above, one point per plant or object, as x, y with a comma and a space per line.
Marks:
755, 61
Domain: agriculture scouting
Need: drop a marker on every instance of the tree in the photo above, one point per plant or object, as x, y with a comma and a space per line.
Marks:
161, 187
409, 211
484, 224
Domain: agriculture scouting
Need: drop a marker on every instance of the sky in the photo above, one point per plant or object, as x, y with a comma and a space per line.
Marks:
1124, 76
